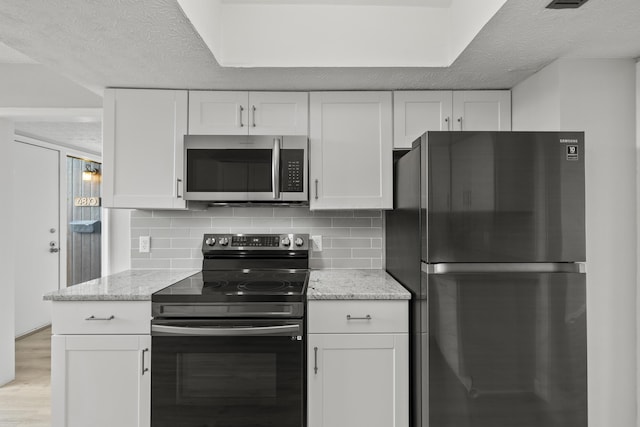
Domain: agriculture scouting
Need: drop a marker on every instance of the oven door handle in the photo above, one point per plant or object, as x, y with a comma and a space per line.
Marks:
213, 332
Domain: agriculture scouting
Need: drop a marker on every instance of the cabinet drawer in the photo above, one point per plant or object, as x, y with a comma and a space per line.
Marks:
101, 317
358, 316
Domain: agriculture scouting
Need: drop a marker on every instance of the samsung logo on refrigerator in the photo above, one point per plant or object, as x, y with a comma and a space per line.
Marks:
568, 141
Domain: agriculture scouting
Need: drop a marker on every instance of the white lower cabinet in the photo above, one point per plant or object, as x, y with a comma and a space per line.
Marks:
101, 380
101, 364
358, 379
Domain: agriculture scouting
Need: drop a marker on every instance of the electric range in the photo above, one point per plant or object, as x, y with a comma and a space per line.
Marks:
229, 342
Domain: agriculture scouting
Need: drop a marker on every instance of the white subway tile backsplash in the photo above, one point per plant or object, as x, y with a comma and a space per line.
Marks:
151, 222
351, 222
367, 232
170, 253
253, 212
311, 222
350, 263
366, 253
351, 243
351, 239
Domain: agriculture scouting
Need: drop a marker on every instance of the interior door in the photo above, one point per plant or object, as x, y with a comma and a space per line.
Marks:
37, 236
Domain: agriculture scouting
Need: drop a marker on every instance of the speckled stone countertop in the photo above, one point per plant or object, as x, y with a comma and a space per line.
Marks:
353, 285
138, 285
129, 285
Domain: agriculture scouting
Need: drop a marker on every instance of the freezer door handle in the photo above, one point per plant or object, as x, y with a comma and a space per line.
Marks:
505, 267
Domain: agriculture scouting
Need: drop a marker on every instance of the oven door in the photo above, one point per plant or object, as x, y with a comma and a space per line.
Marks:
228, 373
245, 168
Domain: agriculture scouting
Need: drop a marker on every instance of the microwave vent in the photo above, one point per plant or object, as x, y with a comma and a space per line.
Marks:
566, 4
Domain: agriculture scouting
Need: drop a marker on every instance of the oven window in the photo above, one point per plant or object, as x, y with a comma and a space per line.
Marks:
205, 376
229, 170
227, 381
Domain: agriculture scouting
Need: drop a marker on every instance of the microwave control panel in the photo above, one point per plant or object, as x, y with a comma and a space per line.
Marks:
292, 171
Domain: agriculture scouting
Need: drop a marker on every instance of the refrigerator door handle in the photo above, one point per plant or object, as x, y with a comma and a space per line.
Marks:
505, 267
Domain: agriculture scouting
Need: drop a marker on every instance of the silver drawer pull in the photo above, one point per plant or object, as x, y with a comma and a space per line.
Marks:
367, 317
92, 317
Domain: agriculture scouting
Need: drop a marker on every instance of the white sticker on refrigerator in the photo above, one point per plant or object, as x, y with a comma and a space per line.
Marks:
572, 152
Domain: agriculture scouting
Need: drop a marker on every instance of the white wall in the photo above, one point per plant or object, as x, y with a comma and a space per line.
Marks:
7, 290
116, 240
599, 97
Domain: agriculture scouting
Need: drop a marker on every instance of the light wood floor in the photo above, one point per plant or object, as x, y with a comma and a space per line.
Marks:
26, 402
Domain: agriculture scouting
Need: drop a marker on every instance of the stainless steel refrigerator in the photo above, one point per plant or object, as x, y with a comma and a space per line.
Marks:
488, 234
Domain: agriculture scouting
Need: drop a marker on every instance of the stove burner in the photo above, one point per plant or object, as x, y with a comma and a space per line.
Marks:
263, 286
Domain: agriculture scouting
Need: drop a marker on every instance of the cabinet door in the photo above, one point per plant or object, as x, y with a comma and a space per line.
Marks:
360, 380
418, 111
482, 110
143, 148
351, 150
278, 113
218, 113
100, 380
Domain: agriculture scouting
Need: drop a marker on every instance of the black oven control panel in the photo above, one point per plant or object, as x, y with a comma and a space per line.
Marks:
292, 171
256, 241
212, 243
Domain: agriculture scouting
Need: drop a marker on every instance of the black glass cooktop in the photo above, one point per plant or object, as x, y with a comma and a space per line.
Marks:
237, 286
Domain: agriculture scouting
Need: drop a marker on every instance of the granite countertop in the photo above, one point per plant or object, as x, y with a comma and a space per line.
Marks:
354, 285
129, 285
138, 285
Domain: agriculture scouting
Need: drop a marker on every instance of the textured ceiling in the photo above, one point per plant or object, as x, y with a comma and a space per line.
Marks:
150, 44
134, 43
87, 136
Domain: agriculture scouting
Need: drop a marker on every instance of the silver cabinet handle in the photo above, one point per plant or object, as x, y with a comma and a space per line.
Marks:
316, 189
448, 122
92, 317
460, 121
241, 111
275, 168
350, 317
144, 369
253, 114
178, 182
315, 360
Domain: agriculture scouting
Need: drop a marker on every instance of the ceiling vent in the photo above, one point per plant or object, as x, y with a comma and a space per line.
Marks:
566, 4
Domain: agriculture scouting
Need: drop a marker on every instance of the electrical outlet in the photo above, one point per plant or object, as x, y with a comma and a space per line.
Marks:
145, 244
316, 243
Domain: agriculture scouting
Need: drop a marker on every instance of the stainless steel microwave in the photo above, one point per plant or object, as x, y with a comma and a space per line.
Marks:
240, 168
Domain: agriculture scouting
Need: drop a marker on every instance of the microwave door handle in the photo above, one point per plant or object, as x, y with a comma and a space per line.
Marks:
275, 168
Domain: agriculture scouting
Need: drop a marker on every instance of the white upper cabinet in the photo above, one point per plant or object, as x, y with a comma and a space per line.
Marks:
416, 112
143, 140
248, 113
482, 110
351, 161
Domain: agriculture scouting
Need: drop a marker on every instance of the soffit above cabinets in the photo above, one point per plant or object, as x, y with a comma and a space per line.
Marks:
332, 33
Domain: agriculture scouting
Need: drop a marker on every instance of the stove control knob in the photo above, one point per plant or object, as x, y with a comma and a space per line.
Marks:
299, 241
210, 241
286, 242
224, 241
